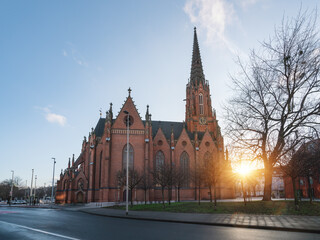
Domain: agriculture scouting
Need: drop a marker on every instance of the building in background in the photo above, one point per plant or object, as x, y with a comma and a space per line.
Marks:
308, 183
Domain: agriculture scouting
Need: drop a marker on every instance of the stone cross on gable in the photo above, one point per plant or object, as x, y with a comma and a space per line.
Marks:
129, 91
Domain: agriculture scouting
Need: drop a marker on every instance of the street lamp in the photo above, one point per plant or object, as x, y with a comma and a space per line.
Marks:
31, 187
35, 186
11, 193
54, 163
127, 167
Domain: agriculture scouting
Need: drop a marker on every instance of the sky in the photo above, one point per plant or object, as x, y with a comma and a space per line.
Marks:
63, 61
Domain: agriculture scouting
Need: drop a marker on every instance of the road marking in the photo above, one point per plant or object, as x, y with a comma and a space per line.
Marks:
4, 212
41, 231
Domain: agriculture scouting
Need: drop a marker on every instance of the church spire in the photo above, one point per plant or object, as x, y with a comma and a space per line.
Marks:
196, 75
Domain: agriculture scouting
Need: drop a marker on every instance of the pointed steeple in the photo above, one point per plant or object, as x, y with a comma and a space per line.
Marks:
110, 112
147, 114
196, 75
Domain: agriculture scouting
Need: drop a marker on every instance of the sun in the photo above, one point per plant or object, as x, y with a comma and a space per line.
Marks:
244, 170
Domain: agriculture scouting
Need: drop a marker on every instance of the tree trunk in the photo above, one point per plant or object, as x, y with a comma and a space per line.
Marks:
162, 191
215, 196
131, 197
243, 192
169, 195
178, 194
210, 193
145, 197
296, 202
267, 184
309, 189
199, 195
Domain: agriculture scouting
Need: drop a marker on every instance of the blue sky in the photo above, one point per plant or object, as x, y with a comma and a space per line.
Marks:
61, 61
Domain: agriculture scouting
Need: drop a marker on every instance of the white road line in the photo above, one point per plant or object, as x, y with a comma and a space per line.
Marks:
41, 231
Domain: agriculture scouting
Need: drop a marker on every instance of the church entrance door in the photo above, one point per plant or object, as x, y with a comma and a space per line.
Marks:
80, 197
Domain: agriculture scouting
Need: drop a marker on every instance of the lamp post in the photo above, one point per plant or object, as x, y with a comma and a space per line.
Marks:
35, 186
30, 198
54, 163
11, 193
26, 191
127, 167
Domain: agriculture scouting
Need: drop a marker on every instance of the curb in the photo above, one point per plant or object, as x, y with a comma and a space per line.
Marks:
208, 223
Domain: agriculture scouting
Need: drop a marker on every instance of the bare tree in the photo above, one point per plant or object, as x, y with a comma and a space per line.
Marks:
293, 169
211, 172
309, 158
146, 183
134, 180
161, 178
198, 178
180, 179
276, 102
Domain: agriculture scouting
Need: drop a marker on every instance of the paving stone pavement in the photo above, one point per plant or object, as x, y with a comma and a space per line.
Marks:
284, 222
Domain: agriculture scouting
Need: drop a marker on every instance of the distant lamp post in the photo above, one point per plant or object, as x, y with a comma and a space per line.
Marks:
11, 192
30, 197
35, 186
54, 163
127, 167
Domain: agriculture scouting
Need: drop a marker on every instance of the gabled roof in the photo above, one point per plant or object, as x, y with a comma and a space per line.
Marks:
166, 127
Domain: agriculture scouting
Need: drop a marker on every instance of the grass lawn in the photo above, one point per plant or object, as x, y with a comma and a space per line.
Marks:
256, 207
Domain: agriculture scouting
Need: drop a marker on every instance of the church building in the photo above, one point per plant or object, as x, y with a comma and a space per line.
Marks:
93, 175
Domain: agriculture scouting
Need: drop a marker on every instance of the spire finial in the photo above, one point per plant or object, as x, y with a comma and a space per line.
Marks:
110, 112
129, 91
100, 112
147, 114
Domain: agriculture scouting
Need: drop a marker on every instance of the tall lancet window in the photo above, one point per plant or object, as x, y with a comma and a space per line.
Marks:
159, 160
185, 168
124, 157
201, 103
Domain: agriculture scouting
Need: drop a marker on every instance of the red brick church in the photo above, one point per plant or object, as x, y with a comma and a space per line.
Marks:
92, 177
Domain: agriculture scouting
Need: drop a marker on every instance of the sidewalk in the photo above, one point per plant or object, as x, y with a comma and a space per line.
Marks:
293, 223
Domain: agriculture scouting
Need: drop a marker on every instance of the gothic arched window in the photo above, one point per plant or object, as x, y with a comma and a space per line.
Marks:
124, 157
80, 184
159, 159
185, 167
201, 103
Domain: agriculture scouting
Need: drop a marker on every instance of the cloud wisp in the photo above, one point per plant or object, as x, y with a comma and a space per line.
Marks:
213, 16
53, 117
73, 53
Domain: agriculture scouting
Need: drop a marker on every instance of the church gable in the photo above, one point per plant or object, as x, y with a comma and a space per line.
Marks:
208, 144
184, 139
184, 144
134, 117
160, 140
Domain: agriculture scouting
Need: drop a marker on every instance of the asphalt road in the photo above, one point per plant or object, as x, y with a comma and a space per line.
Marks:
24, 223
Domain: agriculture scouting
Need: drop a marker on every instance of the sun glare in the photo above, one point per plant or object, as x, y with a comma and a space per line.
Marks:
244, 169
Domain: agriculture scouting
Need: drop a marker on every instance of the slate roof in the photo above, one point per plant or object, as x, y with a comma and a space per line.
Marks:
166, 127
98, 131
